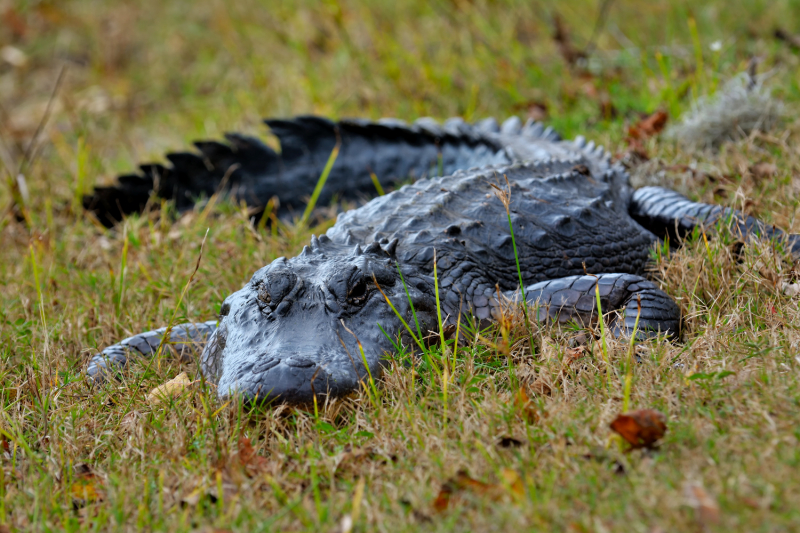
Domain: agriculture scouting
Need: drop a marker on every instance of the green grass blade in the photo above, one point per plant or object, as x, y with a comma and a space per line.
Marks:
312, 202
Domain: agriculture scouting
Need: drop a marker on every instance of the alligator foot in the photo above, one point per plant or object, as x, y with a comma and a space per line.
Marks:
184, 340
574, 299
667, 213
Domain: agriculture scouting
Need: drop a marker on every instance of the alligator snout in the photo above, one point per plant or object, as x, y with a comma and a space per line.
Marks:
307, 326
292, 379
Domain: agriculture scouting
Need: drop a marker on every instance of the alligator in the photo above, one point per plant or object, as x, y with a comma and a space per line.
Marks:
319, 324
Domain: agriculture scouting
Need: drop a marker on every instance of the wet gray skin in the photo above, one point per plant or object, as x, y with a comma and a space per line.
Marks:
285, 335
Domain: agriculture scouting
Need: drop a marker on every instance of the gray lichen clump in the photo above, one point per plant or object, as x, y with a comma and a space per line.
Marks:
743, 105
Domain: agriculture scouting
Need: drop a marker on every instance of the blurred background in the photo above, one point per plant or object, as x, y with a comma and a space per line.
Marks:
141, 78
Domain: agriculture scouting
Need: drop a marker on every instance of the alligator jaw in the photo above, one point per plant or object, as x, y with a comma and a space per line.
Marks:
306, 326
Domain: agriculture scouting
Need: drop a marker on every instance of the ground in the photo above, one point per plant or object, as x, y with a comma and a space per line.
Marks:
511, 432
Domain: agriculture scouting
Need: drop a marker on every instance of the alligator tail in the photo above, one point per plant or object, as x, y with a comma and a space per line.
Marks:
250, 171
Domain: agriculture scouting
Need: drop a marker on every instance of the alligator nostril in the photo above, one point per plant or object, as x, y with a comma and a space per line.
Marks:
265, 364
299, 362
283, 308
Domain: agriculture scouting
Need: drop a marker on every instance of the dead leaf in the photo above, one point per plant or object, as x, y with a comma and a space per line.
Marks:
647, 127
763, 170
252, 463
512, 482
541, 387
641, 428
537, 111
510, 485
573, 354
87, 488
171, 389
525, 407
14, 21
534, 109
705, 506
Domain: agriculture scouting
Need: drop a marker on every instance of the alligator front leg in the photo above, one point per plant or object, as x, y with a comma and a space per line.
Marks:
667, 213
184, 339
574, 299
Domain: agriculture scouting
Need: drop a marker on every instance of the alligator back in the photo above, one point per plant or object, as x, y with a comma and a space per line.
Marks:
566, 222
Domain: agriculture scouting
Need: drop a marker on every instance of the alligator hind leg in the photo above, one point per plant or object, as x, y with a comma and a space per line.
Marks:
574, 299
184, 339
667, 213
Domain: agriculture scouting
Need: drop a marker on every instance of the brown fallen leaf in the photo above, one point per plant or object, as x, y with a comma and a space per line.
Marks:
87, 488
510, 485
572, 355
641, 428
763, 170
252, 463
647, 127
541, 386
705, 506
533, 109
171, 389
13, 20
525, 407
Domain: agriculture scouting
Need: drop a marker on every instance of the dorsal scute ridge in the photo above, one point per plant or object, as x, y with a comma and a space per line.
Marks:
252, 171
316, 244
372, 248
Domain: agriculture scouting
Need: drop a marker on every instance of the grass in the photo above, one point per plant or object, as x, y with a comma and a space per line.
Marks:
145, 78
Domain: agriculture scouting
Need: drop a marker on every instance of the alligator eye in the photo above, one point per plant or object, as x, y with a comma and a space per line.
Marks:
358, 293
263, 294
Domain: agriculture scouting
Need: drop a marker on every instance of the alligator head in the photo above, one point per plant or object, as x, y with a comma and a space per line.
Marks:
294, 330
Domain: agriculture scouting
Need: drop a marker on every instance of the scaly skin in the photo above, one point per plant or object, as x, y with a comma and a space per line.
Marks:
294, 330
250, 171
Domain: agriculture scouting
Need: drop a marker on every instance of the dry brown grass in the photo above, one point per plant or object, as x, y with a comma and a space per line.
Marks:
147, 78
